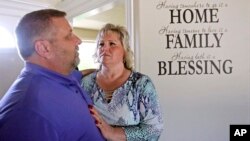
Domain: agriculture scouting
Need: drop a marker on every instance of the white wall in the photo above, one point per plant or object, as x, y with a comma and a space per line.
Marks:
10, 62
197, 107
10, 66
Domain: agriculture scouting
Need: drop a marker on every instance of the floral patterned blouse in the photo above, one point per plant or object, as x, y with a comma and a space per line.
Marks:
134, 106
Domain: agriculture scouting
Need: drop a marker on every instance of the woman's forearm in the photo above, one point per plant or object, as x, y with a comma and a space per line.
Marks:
118, 134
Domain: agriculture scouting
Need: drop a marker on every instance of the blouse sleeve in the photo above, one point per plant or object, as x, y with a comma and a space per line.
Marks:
151, 123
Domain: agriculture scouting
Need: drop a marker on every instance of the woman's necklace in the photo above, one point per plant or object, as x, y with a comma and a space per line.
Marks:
108, 94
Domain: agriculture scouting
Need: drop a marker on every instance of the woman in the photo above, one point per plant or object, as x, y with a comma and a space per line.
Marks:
126, 104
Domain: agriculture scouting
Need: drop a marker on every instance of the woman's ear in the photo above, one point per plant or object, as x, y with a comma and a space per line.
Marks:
42, 48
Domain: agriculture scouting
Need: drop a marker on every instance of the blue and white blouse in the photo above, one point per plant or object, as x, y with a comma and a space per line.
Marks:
134, 106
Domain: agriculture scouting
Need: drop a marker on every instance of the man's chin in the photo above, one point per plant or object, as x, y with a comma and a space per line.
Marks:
76, 63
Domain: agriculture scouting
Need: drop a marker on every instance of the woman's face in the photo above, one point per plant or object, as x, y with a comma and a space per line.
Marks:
110, 50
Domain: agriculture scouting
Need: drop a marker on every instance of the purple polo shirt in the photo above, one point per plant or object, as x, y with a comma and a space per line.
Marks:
42, 105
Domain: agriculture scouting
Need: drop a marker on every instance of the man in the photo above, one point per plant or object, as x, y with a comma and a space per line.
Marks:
46, 102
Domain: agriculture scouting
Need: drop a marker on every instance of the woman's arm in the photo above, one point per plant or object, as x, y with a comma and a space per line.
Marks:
151, 123
87, 71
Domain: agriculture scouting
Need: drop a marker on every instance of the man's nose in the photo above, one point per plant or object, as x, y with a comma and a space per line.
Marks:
78, 40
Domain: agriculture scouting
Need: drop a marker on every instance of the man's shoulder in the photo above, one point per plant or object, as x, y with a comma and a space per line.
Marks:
25, 124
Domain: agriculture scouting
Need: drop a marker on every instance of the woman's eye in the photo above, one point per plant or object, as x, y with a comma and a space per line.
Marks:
101, 44
112, 44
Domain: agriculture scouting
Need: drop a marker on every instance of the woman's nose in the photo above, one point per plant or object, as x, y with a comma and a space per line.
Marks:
105, 47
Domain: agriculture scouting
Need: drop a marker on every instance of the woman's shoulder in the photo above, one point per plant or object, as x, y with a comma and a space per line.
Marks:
144, 84
140, 76
139, 79
89, 79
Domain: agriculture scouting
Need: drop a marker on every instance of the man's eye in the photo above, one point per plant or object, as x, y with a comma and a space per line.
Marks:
68, 37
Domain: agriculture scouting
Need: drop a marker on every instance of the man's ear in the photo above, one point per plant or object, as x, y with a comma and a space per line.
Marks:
42, 48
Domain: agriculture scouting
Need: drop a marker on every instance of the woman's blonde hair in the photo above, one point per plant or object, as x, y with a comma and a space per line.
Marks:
124, 38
